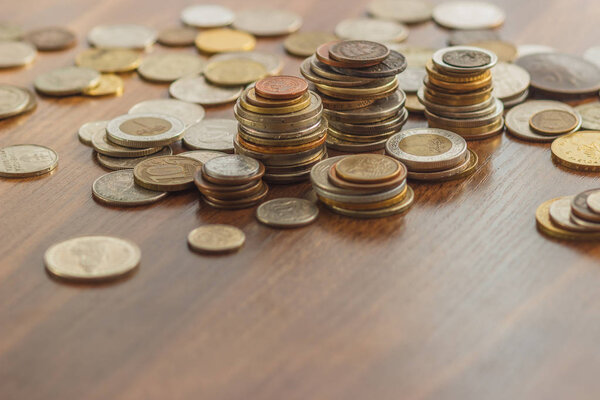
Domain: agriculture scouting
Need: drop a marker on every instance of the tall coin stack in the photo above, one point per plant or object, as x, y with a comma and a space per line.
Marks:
359, 89
281, 124
457, 93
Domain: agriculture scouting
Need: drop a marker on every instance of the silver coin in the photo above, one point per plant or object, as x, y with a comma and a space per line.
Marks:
273, 63
124, 36
188, 113
509, 80
267, 21
10, 32
118, 188
468, 15
590, 113
375, 30
405, 11
560, 214
207, 16
527, 49
287, 212
211, 134
26, 160
593, 55
196, 90
411, 79
119, 163
517, 119
13, 100
231, 167
590, 226
439, 61
202, 155
593, 201
145, 130
88, 130
16, 54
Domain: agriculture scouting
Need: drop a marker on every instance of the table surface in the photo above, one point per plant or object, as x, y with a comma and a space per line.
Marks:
461, 298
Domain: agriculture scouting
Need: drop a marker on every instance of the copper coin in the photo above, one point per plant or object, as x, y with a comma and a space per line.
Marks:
466, 58
322, 54
239, 203
51, 38
336, 180
392, 65
467, 37
358, 53
553, 122
281, 87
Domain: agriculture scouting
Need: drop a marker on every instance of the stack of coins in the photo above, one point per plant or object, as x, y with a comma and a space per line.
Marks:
362, 185
359, 88
231, 182
571, 217
457, 93
432, 154
281, 124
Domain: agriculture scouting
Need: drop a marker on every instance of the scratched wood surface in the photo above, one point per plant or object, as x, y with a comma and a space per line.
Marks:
461, 298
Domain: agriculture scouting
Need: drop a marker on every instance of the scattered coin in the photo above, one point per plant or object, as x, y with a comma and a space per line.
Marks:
109, 85
211, 134
470, 36
109, 60
510, 82
287, 212
166, 173
468, 15
125, 36
92, 258
188, 113
234, 72
169, 67
178, 36
578, 150
281, 87
216, 238
593, 55
224, 40
304, 44
207, 16
119, 189
13, 100
89, 129
272, 62
145, 130
26, 160
267, 21
10, 32
590, 113
51, 38
506, 51
195, 89
202, 155
66, 81
554, 122
102, 145
16, 54
405, 11
517, 119
371, 29
527, 49
118, 163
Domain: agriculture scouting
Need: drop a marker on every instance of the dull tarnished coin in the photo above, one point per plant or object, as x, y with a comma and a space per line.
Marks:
304, 44
109, 85
216, 238
168, 67
590, 113
202, 155
468, 15
118, 163
466, 58
224, 41
411, 79
9, 32
88, 130
102, 145
234, 72
509, 80
232, 167
517, 119
554, 122
188, 113
267, 21
51, 38
119, 189
92, 258
469, 36
207, 16
195, 89
26, 160
405, 11
145, 130
375, 30
394, 64
66, 81
109, 60
578, 150
178, 36
211, 134
287, 212
166, 173
13, 100
16, 54
272, 62
124, 36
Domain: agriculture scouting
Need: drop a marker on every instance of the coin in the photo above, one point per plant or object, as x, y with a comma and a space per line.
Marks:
216, 238
13, 100
470, 36
416, 56
554, 122
207, 16
92, 258
593, 55
371, 29
406, 11
578, 150
170, 66
560, 215
411, 79
527, 49
178, 36
89, 129
394, 64
109, 85
145, 130
509, 80
590, 113
517, 119
118, 163
468, 15
166, 173
202, 155
195, 89
413, 104
211, 134
272, 62
467, 58
593, 201
561, 73
124, 36
104, 146
579, 206
358, 53
224, 40
281, 87
545, 225
287, 212
26, 160
51, 38
234, 72
119, 189
394, 209
233, 167
188, 113
368, 168
66, 81
109, 60
304, 44
267, 21
506, 51
251, 98
9, 32
16, 54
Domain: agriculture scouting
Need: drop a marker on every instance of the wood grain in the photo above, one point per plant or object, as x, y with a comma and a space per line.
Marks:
461, 298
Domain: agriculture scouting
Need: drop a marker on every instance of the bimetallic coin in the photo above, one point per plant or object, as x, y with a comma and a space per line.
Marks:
281, 87
224, 40
26, 160
234, 72
145, 130
267, 21
375, 30
118, 163
272, 62
468, 15
13, 100
211, 134
509, 80
166, 173
124, 36
188, 113
593, 201
195, 89
216, 238
109, 85
119, 189
461, 59
51, 38
580, 206
102, 145
109, 60
170, 66
202, 155
178, 36
207, 16
16, 54
304, 44
232, 167
554, 122
287, 212
89, 129
368, 168
578, 150
517, 119
405, 11
66, 81
590, 113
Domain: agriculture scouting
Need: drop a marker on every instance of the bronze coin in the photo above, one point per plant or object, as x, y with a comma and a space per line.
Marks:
239, 203
281, 87
322, 54
392, 65
359, 53
255, 188
553, 122
51, 38
466, 58
251, 97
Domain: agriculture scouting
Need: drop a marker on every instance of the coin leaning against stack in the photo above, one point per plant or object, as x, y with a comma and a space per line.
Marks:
457, 93
359, 89
281, 124
571, 217
362, 185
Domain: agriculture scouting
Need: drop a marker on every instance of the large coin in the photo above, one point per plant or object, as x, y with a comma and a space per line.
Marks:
593, 55
234, 72
16, 54
216, 238
195, 89
207, 16
66, 81
272, 62
170, 66
368, 168
304, 44
371, 29
145, 130
267, 21
211, 134
466, 58
406, 11
590, 113
166, 173
224, 40
287, 212
118, 163
109, 60
88, 130
468, 15
125, 36
13, 100
92, 258
509, 80
119, 189
188, 113
578, 150
26, 160
179, 36
51, 38
517, 119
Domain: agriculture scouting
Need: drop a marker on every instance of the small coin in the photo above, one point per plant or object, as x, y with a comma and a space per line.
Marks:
368, 168
468, 15
188, 113
553, 122
166, 173
118, 163
119, 189
13, 100
560, 214
578, 150
470, 36
92, 258
267, 21
281, 87
466, 58
207, 16
196, 90
89, 129
411, 79
517, 119
211, 134
16, 54
224, 40
232, 167
104, 146
216, 238
66, 81
124, 36
304, 44
590, 113
287, 212
593, 201
109, 60
272, 62
26, 160
9, 32
234, 72
169, 67
371, 29
580, 206
51, 38
509, 80
145, 130
593, 55
109, 85
202, 155
405, 11
178, 36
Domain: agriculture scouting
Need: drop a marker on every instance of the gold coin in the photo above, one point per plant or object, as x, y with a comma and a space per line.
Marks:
170, 66
26, 160
216, 238
304, 44
413, 104
110, 84
456, 78
166, 173
546, 226
368, 168
224, 40
234, 72
109, 60
579, 150
366, 90
119, 189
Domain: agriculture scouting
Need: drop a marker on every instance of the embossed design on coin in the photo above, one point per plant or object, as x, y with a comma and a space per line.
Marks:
167, 173
517, 119
51, 38
351, 51
287, 212
368, 168
394, 64
231, 167
118, 188
590, 113
267, 21
553, 122
281, 87
578, 150
216, 238
466, 58
188, 113
211, 134
26, 160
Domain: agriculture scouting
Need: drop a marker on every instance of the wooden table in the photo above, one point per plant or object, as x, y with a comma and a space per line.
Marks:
461, 298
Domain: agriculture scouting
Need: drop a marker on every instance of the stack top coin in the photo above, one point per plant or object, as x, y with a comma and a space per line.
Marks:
464, 59
359, 53
232, 167
281, 87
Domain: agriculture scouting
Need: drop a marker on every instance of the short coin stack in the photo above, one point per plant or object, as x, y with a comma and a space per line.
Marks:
571, 217
232, 181
457, 93
362, 185
357, 82
281, 124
